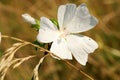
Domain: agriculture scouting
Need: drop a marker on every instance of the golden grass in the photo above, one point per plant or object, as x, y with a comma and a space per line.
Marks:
36, 69
7, 60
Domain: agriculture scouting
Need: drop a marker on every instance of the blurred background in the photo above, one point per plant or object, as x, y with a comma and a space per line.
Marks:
103, 64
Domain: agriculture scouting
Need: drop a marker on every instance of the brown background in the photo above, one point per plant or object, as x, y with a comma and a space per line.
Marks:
104, 64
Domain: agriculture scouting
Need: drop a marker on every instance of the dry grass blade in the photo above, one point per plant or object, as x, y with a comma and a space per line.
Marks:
9, 53
36, 69
19, 61
17, 39
6, 60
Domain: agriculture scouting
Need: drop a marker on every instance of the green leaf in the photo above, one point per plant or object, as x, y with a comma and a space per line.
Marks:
37, 21
54, 21
39, 44
37, 25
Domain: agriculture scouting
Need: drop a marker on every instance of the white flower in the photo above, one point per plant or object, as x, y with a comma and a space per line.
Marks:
28, 18
66, 40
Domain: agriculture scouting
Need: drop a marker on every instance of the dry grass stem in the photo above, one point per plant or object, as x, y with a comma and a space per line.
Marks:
19, 61
17, 39
36, 69
6, 60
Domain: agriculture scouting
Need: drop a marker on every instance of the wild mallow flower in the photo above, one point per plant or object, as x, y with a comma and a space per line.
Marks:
66, 40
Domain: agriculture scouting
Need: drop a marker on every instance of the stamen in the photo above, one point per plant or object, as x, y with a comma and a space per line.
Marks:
63, 34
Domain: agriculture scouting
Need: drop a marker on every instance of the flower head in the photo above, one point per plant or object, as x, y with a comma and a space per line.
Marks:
66, 40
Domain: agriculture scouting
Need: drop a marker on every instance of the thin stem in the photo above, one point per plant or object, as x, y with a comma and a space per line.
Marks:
38, 68
78, 70
17, 39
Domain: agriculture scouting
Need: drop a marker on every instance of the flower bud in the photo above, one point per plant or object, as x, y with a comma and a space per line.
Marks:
28, 18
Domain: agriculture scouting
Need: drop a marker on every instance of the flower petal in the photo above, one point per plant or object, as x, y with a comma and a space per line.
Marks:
82, 20
80, 47
28, 18
48, 31
65, 14
60, 49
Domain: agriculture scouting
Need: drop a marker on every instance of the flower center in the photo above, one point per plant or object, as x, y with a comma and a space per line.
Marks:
63, 34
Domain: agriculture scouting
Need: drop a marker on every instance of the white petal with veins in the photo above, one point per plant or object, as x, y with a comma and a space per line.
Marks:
48, 32
82, 20
65, 14
60, 49
80, 47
